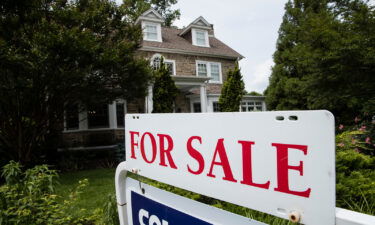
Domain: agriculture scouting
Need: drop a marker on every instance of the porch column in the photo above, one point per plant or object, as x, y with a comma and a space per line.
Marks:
82, 118
203, 95
264, 105
112, 115
149, 102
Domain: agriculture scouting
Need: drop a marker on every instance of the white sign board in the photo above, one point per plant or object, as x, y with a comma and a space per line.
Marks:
275, 162
148, 205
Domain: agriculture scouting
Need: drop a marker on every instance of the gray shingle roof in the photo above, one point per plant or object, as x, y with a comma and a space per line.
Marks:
172, 41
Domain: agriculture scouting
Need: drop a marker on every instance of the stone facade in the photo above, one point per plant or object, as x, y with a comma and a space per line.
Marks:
186, 64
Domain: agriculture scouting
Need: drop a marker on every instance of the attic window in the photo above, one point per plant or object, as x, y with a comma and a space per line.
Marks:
200, 38
151, 31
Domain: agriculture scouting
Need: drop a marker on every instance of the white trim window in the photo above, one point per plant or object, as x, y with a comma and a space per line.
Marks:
151, 31
249, 106
200, 38
209, 69
171, 66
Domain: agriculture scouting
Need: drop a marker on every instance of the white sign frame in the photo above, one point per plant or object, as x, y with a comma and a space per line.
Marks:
193, 208
287, 127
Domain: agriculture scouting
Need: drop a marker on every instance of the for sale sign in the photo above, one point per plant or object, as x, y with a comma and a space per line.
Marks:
281, 163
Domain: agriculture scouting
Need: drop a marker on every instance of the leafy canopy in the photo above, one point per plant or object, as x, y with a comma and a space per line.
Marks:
325, 58
135, 8
58, 53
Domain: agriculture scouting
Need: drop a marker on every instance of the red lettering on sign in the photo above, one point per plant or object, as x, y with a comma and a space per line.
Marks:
283, 168
153, 148
220, 149
166, 152
247, 170
133, 144
196, 155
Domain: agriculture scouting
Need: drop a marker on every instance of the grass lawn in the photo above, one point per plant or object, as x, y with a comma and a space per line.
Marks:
101, 184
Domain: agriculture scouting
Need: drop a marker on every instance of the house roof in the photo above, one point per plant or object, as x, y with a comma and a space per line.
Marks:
174, 43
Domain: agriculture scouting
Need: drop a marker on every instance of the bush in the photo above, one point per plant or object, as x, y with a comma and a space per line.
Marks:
355, 169
28, 197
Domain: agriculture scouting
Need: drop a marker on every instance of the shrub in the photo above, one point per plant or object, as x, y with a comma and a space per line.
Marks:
28, 197
355, 169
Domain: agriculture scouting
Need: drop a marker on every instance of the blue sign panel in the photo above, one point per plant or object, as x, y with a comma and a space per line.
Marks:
148, 212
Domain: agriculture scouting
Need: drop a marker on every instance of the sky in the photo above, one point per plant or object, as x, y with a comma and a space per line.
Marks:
248, 26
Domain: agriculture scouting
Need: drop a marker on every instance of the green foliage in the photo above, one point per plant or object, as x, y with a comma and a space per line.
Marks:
325, 58
164, 90
108, 213
54, 54
355, 171
28, 198
254, 93
232, 91
136, 7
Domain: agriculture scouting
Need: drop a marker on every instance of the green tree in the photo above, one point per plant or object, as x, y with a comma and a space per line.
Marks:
135, 8
254, 93
54, 54
232, 91
164, 90
325, 58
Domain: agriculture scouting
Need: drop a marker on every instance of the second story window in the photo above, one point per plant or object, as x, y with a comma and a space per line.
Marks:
209, 69
202, 69
151, 31
156, 63
215, 72
200, 38
170, 64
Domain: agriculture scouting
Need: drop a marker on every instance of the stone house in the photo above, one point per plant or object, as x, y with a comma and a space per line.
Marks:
198, 62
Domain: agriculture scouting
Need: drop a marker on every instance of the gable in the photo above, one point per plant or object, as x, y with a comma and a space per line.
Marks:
199, 23
150, 15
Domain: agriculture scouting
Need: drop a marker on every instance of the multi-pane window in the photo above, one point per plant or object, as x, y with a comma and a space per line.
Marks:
151, 32
215, 106
200, 38
170, 66
209, 69
120, 114
215, 72
97, 116
156, 63
197, 107
202, 69
251, 106
71, 117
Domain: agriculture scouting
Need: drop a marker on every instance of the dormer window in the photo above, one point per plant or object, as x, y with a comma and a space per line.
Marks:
200, 37
151, 31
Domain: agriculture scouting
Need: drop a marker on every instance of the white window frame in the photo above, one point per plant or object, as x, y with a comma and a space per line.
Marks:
158, 31
208, 66
194, 37
246, 102
173, 65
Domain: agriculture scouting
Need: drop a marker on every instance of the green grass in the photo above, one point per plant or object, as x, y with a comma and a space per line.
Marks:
101, 184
